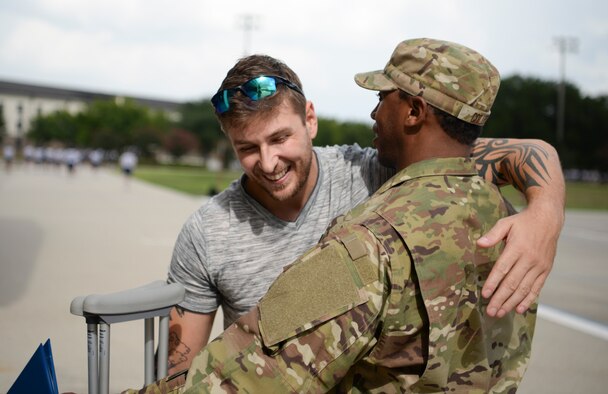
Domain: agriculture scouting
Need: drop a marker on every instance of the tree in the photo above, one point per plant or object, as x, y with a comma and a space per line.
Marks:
2, 128
58, 126
124, 124
199, 118
526, 108
332, 132
586, 133
179, 142
104, 124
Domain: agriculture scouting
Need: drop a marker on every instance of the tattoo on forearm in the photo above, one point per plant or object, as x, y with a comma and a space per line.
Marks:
521, 164
180, 311
178, 351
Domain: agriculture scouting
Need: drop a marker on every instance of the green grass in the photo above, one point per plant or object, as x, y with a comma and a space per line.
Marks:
198, 181
192, 180
579, 195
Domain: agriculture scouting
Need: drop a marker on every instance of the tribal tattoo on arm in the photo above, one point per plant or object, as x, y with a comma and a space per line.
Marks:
520, 163
532, 166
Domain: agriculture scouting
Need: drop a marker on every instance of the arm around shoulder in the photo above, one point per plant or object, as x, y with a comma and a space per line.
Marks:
533, 167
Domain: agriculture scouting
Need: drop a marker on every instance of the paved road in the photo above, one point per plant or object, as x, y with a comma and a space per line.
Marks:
571, 356
62, 236
579, 280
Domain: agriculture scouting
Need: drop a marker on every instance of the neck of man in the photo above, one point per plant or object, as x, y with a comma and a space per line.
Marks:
432, 143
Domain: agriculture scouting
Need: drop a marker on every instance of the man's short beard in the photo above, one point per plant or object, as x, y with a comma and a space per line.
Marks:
299, 186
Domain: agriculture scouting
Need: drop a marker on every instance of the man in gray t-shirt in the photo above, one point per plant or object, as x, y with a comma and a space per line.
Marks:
231, 249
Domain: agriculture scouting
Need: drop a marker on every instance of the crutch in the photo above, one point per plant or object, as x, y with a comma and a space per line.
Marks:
102, 310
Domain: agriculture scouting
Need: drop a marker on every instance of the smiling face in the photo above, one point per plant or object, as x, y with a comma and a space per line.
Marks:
275, 152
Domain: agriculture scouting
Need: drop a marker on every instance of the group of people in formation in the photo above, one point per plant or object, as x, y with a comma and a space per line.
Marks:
70, 157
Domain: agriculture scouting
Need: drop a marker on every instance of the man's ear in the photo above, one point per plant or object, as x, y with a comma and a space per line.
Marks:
418, 112
311, 120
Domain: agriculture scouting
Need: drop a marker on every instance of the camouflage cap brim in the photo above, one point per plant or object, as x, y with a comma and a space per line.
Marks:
449, 76
375, 80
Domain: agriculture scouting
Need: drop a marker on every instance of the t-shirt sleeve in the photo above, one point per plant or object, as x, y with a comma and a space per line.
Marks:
189, 266
374, 172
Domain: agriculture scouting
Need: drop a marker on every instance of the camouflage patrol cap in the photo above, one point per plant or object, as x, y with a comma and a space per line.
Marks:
449, 76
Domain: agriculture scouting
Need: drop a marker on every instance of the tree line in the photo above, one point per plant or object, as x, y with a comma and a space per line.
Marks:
525, 108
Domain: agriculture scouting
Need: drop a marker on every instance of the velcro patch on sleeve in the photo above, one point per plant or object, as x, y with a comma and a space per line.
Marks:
314, 290
367, 271
354, 246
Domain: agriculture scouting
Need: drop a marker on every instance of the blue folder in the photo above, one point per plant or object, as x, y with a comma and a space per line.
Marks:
38, 376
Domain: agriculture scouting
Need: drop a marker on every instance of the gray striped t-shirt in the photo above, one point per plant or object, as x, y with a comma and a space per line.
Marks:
231, 249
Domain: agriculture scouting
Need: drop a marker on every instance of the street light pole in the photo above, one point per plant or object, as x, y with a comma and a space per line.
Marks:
564, 45
248, 22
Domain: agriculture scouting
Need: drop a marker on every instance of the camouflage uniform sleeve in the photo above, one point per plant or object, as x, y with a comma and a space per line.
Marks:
318, 319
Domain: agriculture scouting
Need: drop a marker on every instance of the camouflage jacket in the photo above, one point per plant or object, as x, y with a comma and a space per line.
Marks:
387, 302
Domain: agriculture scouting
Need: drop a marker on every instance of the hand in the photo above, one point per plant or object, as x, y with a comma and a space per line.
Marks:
520, 271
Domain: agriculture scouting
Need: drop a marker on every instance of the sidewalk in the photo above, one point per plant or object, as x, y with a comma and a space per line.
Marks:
63, 236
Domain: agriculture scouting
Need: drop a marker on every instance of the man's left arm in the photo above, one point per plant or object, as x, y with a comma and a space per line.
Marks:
533, 167
300, 337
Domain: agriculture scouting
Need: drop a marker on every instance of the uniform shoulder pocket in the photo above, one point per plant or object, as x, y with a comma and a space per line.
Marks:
319, 287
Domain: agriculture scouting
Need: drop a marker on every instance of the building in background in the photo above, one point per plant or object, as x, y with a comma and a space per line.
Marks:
21, 103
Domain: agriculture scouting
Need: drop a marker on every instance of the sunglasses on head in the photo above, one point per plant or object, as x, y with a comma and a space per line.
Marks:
256, 89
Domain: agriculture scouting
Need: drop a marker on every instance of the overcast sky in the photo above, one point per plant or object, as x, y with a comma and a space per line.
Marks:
181, 49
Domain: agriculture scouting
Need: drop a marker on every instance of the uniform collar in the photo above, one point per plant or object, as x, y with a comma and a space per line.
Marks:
443, 166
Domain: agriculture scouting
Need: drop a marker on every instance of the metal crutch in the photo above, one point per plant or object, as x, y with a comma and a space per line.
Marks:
100, 311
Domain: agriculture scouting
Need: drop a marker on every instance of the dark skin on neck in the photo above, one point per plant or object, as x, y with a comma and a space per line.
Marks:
423, 136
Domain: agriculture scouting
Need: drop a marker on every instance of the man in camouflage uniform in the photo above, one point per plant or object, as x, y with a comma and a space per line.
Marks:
390, 299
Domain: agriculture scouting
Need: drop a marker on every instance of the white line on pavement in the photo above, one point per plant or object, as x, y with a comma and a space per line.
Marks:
572, 321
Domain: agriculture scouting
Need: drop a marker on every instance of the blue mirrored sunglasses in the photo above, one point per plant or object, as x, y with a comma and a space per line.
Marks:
256, 89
